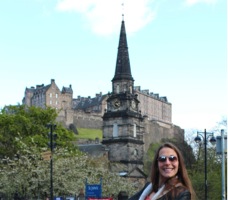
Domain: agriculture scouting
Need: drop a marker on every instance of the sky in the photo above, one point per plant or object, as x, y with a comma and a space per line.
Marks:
177, 48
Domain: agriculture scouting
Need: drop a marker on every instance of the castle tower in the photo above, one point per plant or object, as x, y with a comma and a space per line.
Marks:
122, 121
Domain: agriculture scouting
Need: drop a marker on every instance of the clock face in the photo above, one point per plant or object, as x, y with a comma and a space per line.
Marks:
116, 103
133, 104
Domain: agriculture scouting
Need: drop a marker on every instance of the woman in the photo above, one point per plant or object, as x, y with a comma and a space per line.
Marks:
169, 177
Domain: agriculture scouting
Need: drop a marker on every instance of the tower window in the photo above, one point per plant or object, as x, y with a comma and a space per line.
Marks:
130, 89
117, 88
134, 130
125, 88
115, 130
136, 152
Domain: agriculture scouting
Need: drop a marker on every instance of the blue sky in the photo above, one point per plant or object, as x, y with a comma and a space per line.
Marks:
177, 48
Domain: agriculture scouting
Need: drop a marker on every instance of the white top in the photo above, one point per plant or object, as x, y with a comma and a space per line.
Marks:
146, 192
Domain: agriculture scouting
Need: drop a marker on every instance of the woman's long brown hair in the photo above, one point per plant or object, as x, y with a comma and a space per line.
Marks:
182, 173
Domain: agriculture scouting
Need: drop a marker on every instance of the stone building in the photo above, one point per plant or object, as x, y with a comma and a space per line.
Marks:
49, 95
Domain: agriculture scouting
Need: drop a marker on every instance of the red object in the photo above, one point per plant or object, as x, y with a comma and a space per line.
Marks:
100, 199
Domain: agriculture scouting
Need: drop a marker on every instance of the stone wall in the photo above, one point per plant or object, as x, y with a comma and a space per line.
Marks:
87, 120
80, 119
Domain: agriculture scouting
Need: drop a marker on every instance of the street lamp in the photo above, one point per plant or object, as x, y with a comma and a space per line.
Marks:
205, 136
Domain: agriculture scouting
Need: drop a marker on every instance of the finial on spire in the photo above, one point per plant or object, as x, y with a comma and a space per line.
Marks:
123, 10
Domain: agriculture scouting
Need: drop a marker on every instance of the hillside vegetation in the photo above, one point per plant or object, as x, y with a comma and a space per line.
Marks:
85, 133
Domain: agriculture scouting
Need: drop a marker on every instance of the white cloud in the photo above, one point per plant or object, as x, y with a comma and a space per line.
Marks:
104, 16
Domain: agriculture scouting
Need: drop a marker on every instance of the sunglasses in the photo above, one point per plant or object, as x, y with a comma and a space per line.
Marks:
163, 158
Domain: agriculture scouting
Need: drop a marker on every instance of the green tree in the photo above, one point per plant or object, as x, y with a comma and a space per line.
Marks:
197, 174
29, 123
214, 174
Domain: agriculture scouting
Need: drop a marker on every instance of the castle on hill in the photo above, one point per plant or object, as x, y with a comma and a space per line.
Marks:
130, 118
151, 105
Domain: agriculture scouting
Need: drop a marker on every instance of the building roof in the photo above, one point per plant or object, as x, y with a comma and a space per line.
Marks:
82, 103
67, 90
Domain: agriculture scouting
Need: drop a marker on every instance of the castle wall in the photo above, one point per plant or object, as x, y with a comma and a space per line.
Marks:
87, 120
155, 107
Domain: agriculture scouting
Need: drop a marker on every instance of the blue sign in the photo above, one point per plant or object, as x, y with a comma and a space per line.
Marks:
58, 198
93, 191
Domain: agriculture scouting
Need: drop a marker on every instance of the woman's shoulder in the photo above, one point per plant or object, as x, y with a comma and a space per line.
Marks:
178, 193
185, 195
182, 193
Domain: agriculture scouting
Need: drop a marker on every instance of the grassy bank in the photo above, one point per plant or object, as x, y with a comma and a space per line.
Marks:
84, 133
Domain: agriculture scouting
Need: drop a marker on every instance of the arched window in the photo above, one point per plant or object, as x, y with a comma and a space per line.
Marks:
136, 152
134, 130
115, 130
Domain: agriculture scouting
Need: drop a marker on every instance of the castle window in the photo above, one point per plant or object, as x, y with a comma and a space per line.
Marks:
51, 102
50, 94
134, 130
115, 130
56, 95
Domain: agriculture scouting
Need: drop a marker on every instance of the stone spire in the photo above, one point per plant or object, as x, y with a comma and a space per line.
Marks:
123, 69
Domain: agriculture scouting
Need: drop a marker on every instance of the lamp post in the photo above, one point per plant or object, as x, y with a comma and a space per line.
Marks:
205, 136
221, 149
52, 144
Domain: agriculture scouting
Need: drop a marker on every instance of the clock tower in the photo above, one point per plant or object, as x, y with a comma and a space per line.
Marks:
122, 121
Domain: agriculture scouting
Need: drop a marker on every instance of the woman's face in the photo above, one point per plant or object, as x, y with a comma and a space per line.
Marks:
167, 163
